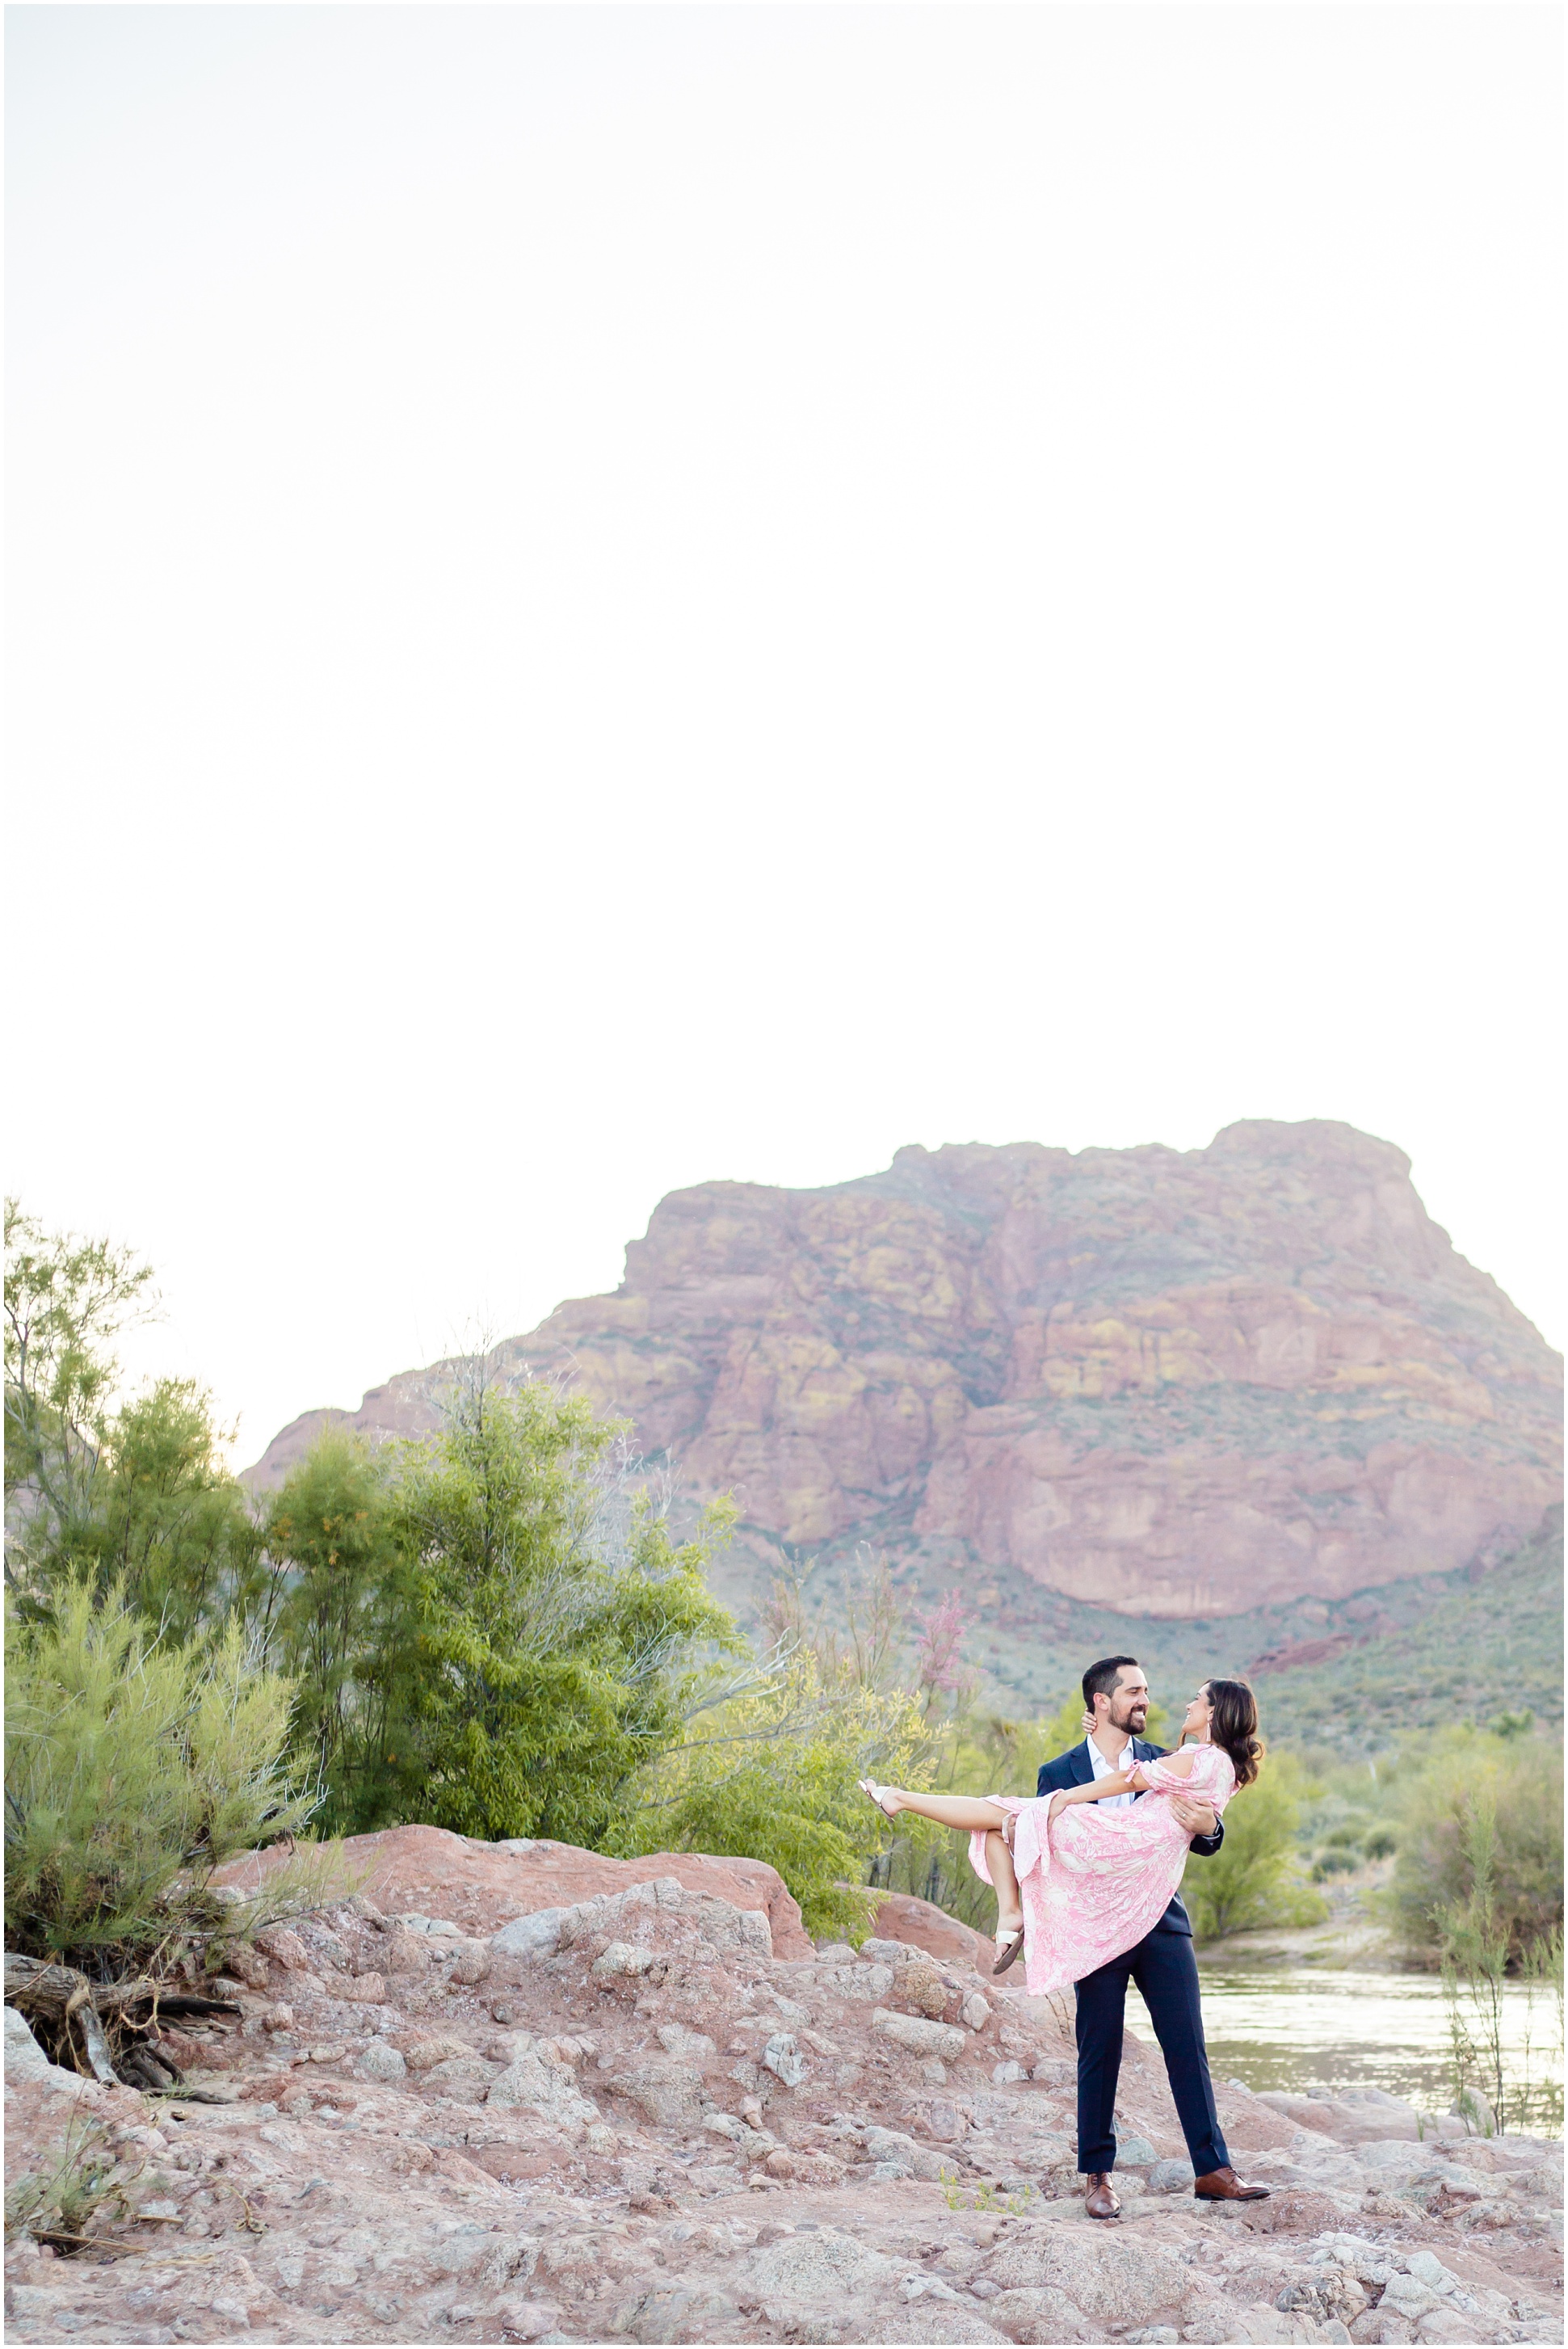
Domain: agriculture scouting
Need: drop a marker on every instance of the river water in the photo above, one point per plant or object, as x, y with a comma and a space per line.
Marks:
1303, 2028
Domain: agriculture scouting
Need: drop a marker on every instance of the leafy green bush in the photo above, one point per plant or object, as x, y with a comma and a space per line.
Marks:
771, 1775
136, 1496
338, 1614
161, 1518
563, 1639
1519, 1781
1254, 1879
492, 1630
133, 1769
66, 1301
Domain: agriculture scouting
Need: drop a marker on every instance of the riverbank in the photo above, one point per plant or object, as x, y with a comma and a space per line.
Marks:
1320, 2032
1354, 1935
1344, 2005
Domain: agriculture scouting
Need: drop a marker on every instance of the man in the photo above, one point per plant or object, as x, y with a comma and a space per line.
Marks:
1116, 1694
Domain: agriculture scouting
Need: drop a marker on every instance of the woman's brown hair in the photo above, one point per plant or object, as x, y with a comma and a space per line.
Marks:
1234, 1727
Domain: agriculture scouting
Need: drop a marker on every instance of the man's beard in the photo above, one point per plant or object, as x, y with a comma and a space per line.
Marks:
1134, 1719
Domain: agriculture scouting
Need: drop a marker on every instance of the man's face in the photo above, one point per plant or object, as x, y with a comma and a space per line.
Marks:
1129, 1702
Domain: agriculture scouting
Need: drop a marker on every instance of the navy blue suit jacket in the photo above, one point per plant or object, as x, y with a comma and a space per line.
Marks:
1074, 1768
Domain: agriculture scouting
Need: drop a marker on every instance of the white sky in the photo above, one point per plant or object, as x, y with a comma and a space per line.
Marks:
601, 598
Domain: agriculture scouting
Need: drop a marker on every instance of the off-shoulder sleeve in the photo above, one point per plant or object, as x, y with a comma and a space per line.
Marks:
1211, 1779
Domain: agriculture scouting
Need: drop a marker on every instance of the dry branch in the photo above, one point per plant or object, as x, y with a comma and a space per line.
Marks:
108, 2029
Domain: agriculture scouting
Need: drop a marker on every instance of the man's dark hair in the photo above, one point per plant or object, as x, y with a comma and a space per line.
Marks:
1100, 1679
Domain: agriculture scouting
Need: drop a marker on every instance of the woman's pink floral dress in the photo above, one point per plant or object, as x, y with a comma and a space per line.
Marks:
1096, 1879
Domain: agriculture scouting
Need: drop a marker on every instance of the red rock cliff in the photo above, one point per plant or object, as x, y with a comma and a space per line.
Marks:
1181, 1383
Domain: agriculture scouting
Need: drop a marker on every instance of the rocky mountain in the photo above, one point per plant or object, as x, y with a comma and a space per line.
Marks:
1170, 1385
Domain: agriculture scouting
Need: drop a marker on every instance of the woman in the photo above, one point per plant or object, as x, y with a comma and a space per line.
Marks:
1079, 1886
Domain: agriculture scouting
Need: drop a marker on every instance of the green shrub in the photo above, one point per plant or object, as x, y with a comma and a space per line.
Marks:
1518, 1781
771, 1775
161, 1518
1333, 1862
66, 1302
136, 1495
1380, 1843
133, 1769
1487, 1651
339, 1616
563, 1639
1254, 1879
493, 1630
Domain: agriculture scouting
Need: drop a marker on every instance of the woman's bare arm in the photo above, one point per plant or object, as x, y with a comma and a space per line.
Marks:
1099, 1790
1123, 1782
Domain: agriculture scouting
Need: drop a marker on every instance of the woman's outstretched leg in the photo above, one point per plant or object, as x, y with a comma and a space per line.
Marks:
970, 1816
948, 1810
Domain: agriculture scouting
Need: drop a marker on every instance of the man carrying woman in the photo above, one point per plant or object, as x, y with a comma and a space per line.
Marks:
1086, 1877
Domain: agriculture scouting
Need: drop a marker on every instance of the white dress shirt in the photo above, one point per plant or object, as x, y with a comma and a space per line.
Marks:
1104, 1769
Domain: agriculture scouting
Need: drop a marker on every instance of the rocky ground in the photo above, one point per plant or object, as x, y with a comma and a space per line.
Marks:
559, 2098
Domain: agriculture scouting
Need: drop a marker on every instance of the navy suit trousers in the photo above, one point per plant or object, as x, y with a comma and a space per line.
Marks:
1166, 1972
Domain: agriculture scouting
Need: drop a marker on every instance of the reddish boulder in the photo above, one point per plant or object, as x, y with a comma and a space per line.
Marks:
903, 1918
482, 1886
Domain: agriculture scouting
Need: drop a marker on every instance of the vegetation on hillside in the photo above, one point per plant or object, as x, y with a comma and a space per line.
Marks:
1463, 1651
1411, 1655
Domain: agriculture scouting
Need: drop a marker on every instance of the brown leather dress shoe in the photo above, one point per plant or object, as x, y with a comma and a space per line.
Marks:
1102, 2200
1224, 2186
